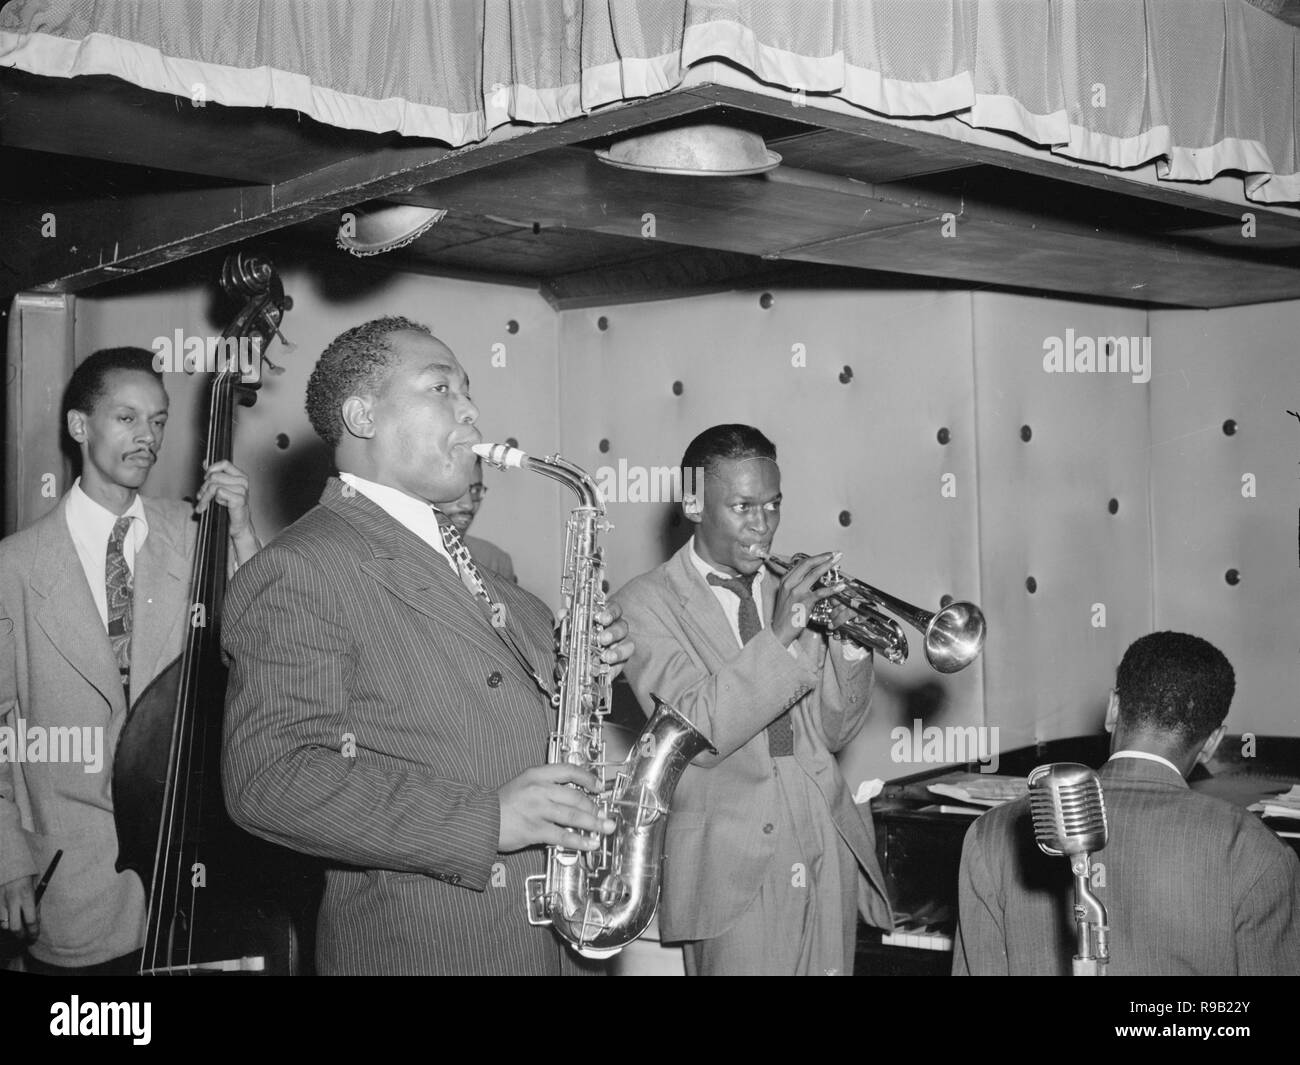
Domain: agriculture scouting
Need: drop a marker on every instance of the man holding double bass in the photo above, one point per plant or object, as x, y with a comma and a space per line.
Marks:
94, 598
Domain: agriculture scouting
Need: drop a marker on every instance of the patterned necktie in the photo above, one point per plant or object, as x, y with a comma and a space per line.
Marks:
469, 574
780, 733
117, 583
473, 581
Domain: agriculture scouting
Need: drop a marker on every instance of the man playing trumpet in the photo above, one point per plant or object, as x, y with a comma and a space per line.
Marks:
768, 860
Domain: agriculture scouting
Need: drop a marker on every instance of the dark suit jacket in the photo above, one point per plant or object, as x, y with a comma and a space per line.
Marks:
57, 670
371, 716
1193, 886
686, 653
486, 553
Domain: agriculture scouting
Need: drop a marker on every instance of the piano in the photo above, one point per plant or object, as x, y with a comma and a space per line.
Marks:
919, 846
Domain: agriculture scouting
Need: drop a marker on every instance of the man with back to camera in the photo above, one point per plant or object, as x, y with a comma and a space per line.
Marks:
1194, 886
93, 602
389, 702
768, 859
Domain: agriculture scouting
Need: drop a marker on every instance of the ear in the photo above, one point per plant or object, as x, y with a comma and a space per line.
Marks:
693, 508
1112, 711
77, 426
358, 417
1212, 744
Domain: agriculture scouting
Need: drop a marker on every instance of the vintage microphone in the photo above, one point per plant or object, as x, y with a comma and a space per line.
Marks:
1070, 819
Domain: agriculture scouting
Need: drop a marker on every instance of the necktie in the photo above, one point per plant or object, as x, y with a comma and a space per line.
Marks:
780, 733
117, 584
473, 581
469, 574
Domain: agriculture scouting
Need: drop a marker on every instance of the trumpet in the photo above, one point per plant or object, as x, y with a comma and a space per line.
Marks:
954, 634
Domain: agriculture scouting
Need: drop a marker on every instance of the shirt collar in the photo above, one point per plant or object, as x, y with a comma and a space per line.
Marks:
704, 569
85, 515
1147, 756
408, 511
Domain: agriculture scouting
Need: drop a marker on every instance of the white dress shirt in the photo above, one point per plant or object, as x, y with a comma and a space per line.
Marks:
729, 600
91, 527
408, 511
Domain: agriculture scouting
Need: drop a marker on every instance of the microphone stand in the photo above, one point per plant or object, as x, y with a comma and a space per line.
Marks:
1089, 922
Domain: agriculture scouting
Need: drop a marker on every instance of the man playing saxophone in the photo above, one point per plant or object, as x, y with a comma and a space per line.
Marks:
768, 860
389, 702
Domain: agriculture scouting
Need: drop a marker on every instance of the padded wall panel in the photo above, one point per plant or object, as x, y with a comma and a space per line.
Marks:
1044, 514
38, 363
1240, 364
868, 447
521, 513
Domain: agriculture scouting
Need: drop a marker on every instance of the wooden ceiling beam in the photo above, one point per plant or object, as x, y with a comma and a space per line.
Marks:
101, 240
929, 231
1044, 164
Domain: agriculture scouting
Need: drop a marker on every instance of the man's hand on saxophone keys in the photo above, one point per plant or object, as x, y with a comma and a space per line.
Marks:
539, 806
613, 638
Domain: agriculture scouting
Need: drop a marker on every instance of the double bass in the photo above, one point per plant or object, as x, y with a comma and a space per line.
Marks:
208, 910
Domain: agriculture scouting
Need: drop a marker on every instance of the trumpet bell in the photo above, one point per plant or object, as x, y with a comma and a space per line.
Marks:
954, 637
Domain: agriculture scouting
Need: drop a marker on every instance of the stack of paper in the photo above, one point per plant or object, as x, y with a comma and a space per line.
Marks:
1285, 805
982, 789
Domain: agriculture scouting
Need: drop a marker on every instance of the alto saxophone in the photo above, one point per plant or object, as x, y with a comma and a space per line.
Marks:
599, 901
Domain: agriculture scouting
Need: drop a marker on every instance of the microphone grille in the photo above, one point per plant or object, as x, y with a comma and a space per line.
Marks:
1068, 810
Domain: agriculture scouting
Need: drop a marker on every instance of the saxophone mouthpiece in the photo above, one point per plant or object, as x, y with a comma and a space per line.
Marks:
502, 456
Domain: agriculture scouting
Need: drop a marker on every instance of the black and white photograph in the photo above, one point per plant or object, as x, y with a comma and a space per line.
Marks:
666, 488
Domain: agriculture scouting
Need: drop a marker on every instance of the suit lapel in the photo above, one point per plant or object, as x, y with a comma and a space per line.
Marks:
67, 611
701, 611
440, 597
162, 582
417, 575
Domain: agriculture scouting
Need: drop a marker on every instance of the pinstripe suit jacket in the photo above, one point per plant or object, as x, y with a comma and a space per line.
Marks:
1193, 887
371, 716
718, 848
57, 670
486, 553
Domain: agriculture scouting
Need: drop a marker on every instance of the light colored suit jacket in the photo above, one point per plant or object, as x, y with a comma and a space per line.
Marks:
57, 670
687, 654
1194, 886
372, 713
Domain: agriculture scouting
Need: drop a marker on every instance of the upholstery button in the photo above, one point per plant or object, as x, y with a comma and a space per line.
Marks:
494, 679
767, 828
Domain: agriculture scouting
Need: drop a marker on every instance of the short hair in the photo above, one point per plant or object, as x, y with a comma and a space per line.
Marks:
89, 381
1174, 683
726, 442
355, 363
